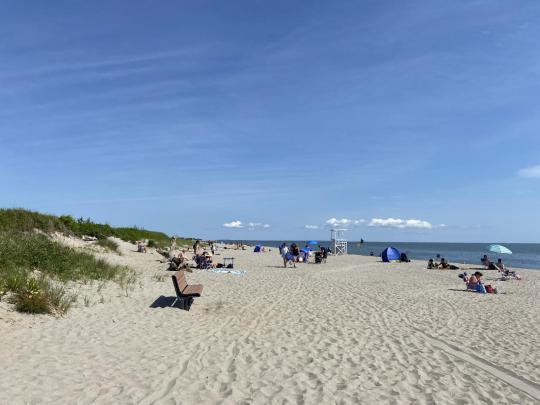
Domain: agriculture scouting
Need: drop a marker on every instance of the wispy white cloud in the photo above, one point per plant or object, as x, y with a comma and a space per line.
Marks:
62, 67
249, 225
311, 226
233, 224
530, 172
345, 222
400, 223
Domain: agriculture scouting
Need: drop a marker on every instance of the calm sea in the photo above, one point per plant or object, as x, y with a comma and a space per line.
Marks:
524, 255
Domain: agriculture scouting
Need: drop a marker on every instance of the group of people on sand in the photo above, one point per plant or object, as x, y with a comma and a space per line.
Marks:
506, 273
443, 265
295, 255
201, 257
474, 282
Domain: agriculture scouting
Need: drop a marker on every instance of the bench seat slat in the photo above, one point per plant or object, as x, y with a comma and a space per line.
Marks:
183, 289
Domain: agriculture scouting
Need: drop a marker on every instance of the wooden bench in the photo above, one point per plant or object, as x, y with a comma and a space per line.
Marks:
184, 292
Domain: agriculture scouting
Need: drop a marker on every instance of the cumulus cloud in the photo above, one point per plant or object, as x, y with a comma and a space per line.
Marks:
249, 225
400, 223
530, 172
345, 222
311, 226
233, 224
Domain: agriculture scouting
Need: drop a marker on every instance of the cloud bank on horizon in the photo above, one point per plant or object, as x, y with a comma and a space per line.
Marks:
381, 222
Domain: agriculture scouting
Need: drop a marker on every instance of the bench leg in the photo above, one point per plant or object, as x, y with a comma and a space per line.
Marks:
184, 303
187, 303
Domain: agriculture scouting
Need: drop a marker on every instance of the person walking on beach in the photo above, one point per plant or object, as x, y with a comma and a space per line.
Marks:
173, 243
295, 252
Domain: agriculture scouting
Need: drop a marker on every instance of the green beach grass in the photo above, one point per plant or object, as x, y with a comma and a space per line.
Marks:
22, 220
34, 268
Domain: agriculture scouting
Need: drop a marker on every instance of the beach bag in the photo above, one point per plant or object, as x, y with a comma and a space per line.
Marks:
489, 289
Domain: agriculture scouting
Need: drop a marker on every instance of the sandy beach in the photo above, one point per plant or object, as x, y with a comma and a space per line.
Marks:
351, 331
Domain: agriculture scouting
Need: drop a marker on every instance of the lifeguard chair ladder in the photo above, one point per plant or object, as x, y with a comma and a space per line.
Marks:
338, 241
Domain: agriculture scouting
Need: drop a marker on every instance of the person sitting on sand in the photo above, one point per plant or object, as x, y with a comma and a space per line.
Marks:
474, 280
141, 248
485, 260
487, 263
431, 264
444, 265
403, 258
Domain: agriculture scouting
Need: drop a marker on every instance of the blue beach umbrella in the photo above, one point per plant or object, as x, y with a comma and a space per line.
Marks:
312, 242
499, 249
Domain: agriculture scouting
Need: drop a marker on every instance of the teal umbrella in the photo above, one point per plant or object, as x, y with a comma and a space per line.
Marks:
499, 249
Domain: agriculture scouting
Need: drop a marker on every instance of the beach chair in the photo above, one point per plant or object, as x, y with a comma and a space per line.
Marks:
204, 262
228, 262
184, 292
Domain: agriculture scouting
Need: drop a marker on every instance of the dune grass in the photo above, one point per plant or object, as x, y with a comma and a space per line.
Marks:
33, 269
18, 219
108, 244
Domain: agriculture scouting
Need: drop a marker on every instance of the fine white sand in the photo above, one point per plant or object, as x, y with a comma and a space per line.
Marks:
353, 330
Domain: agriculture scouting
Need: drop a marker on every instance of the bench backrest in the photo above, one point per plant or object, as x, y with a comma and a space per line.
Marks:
179, 281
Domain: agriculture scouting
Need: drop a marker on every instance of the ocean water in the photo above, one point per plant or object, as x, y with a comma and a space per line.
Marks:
524, 255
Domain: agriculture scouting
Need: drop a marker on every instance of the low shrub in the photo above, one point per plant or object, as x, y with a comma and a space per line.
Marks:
42, 296
108, 244
57, 296
158, 239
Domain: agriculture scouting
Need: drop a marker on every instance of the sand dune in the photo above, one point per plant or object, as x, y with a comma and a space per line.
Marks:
353, 330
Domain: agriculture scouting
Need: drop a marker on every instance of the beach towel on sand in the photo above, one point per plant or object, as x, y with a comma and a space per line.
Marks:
228, 271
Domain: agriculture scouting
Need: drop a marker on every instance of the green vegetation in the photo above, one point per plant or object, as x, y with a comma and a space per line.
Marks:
32, 267
42, 296
21, 220
109, 245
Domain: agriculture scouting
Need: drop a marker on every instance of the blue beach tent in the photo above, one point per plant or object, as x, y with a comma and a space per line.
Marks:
390, 254
257, 248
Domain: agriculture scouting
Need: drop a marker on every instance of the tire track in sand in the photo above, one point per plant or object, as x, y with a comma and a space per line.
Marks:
509, 377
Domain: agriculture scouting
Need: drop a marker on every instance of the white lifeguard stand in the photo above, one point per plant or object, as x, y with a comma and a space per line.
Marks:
338, 241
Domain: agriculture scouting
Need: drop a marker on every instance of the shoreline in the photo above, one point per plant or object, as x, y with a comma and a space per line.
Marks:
410, 254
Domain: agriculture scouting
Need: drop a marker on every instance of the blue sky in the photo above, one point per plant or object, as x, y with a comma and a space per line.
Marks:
402, 121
